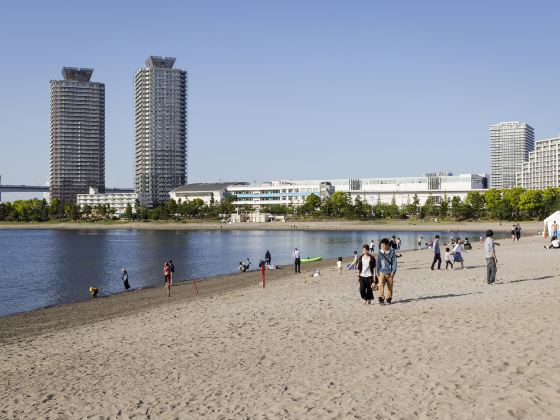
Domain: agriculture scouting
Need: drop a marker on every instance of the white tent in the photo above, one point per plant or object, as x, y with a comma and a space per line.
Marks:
549, 221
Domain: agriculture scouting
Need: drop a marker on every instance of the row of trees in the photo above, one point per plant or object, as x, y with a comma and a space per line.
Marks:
515, 203
510, 204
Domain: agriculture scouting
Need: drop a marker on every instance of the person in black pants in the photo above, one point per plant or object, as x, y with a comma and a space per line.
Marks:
366, 270
297, 261
437, 253
172, 269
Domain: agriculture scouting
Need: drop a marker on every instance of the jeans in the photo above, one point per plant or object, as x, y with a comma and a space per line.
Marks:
491, 270
365, 288
437, 257
386, 279
447, 264
297, 265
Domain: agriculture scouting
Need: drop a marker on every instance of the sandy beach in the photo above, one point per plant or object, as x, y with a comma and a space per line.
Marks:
531, 227
449, 346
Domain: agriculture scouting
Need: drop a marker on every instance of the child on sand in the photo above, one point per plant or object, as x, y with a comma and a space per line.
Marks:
339, 265
448, 261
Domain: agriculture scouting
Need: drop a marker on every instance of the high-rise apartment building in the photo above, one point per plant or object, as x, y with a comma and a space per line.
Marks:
77, 134
510, 144
542, 169
160, 128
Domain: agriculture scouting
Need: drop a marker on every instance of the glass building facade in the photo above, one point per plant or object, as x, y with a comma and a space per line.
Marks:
510, 144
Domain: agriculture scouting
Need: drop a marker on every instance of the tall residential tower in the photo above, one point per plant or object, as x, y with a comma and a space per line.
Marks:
510, 144
160, 128
77, 134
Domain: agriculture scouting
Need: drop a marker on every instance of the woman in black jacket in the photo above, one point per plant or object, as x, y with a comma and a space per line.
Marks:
366, 272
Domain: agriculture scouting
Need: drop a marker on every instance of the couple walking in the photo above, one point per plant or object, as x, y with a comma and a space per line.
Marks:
384, 269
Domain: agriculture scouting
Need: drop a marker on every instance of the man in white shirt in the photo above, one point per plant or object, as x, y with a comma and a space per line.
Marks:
490, 255
297, 261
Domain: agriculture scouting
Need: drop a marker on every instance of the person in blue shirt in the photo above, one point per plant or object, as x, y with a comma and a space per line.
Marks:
386, 267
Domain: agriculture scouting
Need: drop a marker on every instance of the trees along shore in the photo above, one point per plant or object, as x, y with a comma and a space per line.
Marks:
510, 204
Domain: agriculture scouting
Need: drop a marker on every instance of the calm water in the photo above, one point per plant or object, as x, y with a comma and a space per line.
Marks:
40, 268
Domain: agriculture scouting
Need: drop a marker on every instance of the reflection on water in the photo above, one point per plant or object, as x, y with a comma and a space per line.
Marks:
39, 268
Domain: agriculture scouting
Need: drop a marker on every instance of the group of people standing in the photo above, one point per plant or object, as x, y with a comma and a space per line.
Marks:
453, 252
376, 274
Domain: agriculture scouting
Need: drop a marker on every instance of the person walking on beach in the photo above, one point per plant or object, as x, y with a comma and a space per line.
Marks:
167, 276
448, 260
490, 255
267, 257
171, 269
386, 268
372, 246
366, 270
458, 249
125, 279
437, 253
513, 233
554, 229
420, 238
354, 264
518, 232
297, 261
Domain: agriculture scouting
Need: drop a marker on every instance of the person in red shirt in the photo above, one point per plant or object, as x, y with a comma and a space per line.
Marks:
167, 275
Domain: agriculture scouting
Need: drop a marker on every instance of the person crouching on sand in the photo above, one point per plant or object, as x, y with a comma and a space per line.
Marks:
386, 269
366, 271
167, 276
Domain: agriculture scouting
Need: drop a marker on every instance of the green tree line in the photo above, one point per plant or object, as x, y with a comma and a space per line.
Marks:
510, 204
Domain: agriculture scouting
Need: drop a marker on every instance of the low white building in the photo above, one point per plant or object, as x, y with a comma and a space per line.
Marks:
288, 193
204, 191
370, 190
117, 201
542, 169
403, 189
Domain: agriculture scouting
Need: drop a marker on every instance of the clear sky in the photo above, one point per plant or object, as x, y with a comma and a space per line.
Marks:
291, 89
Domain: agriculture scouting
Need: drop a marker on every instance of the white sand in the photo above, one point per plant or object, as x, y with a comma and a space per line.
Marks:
450, 347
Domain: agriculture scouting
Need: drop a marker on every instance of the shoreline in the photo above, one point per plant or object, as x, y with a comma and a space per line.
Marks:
529, 228
81, 313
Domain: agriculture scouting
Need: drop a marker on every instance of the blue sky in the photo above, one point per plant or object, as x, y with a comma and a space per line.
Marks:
291, 89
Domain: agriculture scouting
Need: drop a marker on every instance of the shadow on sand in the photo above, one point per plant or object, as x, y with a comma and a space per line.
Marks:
521, 280
451, 295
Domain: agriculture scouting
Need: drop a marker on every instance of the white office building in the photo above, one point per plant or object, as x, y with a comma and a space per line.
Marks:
204, 191
117, 201
371, 190
510, 144
288, 193
542, 169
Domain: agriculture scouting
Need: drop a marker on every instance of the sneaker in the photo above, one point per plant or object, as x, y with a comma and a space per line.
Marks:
381, 300
389, 301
